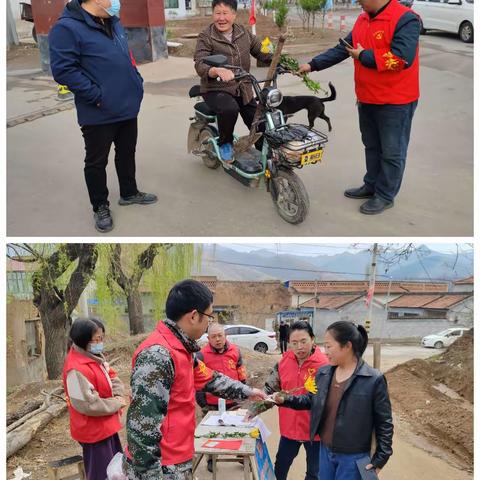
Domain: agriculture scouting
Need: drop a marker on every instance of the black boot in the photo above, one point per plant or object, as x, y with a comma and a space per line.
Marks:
103, 219
375, 206
360, 192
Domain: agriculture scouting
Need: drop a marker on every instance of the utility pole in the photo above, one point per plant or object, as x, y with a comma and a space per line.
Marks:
370, 295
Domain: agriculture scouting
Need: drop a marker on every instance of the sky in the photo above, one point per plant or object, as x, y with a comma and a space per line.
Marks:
310, 249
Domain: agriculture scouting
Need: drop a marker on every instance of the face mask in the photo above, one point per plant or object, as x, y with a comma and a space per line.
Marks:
114, 9
96, 348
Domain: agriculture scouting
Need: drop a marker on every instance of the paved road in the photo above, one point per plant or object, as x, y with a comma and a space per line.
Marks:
47, 197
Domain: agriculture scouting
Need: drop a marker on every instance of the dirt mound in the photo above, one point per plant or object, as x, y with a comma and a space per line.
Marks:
455, 366
435, 397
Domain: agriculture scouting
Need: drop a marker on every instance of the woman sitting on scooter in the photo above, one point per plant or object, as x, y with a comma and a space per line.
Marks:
228, 97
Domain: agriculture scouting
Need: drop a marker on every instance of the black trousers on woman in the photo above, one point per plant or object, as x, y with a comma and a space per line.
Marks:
98, 141
227, 107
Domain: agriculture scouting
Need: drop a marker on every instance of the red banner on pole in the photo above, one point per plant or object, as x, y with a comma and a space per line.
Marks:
253, 19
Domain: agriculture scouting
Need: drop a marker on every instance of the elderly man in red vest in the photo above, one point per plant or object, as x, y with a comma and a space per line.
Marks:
161, 417
223, 357
384, 46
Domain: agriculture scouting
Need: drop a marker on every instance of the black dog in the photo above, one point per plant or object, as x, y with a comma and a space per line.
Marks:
315, 106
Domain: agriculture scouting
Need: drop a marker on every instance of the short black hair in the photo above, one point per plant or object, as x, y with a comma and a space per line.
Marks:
301, 325
228, 3
344, 332
186, 296
83, 329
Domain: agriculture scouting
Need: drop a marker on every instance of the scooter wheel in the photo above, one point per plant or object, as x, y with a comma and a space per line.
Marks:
290, 196
209, 157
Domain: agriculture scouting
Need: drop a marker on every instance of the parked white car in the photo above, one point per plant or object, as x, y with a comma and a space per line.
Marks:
444, 338
455, 16
247, 336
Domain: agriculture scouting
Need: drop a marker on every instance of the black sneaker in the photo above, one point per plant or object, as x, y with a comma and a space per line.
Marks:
103, 219
141, 198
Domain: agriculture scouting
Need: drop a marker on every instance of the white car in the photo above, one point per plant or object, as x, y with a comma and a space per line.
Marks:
455, 16
444, 338
247, 336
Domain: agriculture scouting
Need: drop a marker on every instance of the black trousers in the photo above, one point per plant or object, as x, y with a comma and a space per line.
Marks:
227, 107
283, 345
288, 450
98, 141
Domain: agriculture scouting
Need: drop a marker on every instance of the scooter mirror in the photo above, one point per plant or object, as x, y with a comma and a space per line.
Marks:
215, 60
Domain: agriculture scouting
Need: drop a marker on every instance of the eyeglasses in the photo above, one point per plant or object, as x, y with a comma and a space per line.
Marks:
210, 317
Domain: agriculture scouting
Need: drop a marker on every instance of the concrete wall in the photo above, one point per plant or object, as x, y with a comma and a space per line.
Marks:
15, 4
21, 368
462, 314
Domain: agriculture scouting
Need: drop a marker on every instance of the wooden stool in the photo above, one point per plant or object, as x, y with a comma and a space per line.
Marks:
54, 468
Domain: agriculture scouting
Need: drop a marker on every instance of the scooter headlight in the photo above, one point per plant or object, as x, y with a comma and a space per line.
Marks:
274, 98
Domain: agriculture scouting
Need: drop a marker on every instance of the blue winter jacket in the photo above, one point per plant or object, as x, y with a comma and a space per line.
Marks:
97, 69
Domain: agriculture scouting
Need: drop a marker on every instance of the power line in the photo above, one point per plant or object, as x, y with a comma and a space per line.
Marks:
293, 269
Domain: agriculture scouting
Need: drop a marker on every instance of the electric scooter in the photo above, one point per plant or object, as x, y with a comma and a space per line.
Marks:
285, 146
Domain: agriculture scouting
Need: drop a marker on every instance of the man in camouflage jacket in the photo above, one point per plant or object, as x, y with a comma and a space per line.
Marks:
190, 303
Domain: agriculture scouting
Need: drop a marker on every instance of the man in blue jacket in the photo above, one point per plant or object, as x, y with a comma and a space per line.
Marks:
90, 55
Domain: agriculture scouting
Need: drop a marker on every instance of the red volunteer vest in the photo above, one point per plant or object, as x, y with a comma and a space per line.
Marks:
225, 363
295, 424
390, 83
178, 427
84, 428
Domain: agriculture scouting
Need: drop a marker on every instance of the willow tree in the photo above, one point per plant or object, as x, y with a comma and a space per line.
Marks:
61, 273
123, 269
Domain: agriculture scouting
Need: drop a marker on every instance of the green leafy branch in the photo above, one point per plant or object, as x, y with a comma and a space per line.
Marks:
290, 64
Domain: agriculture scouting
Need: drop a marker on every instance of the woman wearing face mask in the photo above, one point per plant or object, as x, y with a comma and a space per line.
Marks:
351, 404
228, 97
94, 397
290, 374
89, 54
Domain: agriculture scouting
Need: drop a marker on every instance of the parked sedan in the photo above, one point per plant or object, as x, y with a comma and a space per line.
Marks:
247, 336
455, 16
444, 338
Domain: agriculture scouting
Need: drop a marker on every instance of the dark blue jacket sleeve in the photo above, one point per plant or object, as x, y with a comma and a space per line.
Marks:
65, 64
404, 41
331, 57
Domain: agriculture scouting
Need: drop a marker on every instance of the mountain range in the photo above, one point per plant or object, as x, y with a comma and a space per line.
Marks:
421, 263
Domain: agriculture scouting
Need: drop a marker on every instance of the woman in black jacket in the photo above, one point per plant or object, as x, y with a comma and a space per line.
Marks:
350, 404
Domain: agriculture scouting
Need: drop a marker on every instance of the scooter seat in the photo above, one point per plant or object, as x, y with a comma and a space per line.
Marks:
204, 109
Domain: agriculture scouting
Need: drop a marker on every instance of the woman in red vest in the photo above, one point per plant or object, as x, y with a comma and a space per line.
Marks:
94, 397
350, 404
290, 374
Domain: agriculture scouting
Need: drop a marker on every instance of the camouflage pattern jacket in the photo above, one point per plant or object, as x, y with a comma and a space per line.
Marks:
151, 383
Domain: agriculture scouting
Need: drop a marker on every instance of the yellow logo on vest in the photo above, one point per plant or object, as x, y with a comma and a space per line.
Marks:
379, 35
202, 368
231, 364
391, 62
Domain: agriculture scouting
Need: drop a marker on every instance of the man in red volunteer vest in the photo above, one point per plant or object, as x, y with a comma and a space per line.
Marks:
297, 367
225, 358
161, 417
384, 43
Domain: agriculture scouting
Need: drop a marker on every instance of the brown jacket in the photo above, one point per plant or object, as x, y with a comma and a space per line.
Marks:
238, 51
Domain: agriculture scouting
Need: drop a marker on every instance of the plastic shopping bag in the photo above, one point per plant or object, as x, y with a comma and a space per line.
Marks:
115, 469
